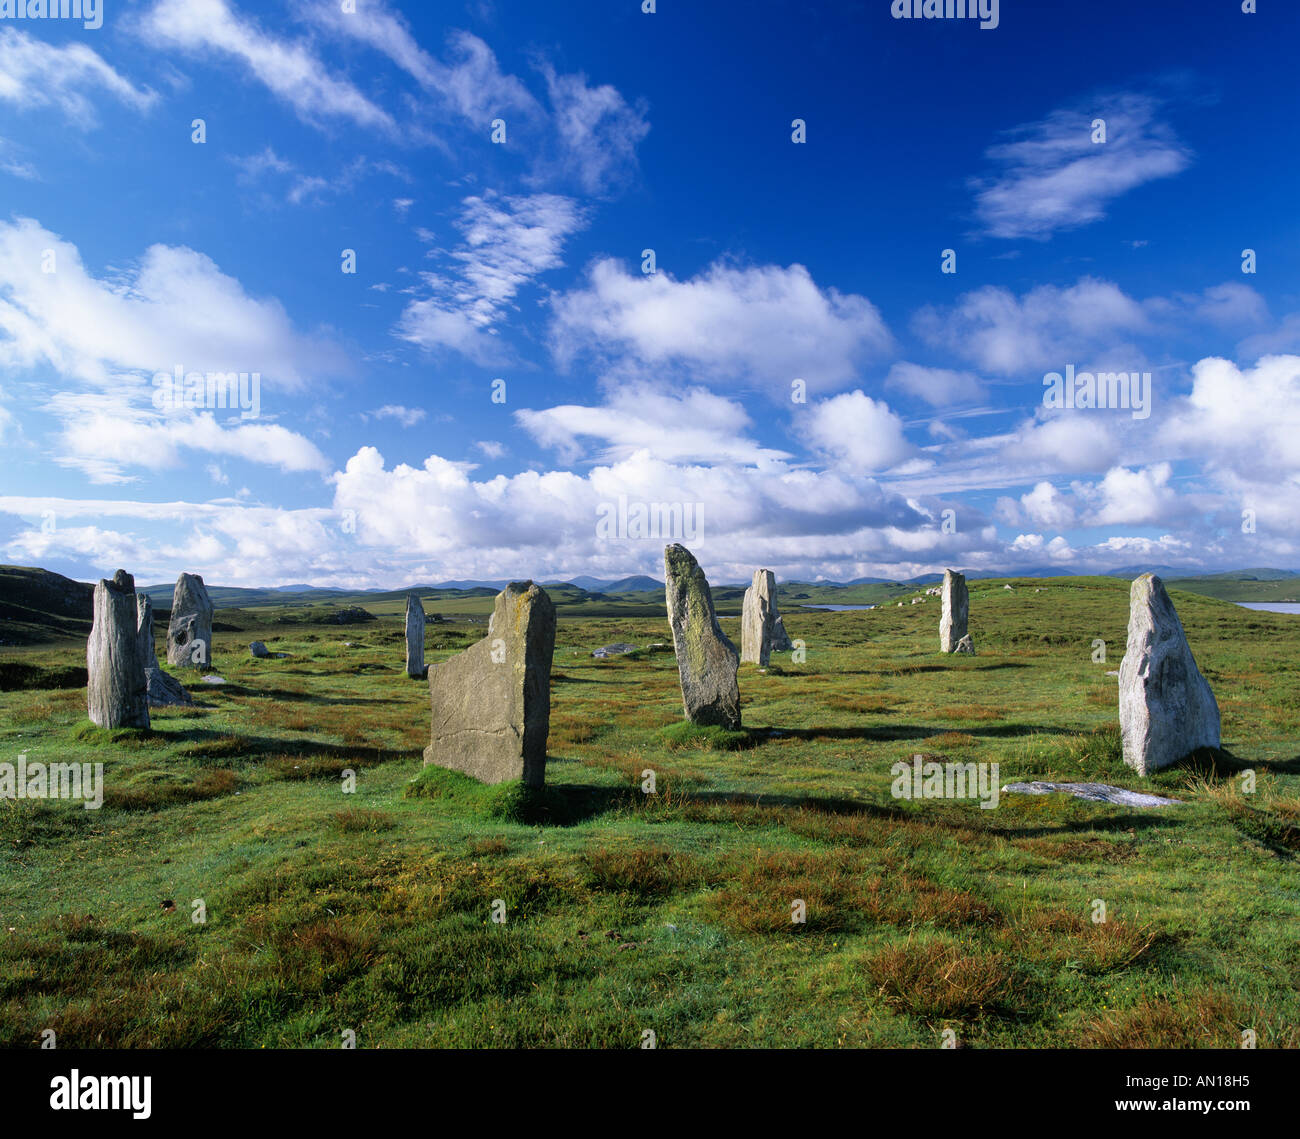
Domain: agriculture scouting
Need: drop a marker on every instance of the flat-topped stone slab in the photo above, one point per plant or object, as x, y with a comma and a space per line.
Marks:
1094, 793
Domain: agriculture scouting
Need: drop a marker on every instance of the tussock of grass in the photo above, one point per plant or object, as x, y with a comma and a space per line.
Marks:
936, 979
683, 735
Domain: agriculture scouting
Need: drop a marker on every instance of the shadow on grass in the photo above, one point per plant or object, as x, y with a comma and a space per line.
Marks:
1220, 764
914, 732
298, 697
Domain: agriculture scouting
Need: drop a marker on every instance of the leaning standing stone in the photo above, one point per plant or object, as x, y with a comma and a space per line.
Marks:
491, 703
956, 609
706, 660
1166, 708
162, 688
116, 688
189, 633
414, 636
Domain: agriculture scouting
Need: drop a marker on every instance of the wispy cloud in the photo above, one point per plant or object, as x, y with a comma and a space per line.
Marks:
292, 71
38, 74
1051, 175
507, 243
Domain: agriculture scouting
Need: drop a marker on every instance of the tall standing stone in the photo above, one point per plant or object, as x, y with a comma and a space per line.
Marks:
491, 704
956, 612
1166, 708
414, 636
189, 633
758, 619
162, 688
116, 688
706, 660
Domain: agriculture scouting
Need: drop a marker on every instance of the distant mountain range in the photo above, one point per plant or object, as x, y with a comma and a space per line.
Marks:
39, 605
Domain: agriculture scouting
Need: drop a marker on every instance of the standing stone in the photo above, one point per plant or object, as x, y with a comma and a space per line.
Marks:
162, 688
492, 703
706, 660
1166, 708
756, 619
956, 609
116, 688
781, 642
259, 650
762, 628
414, 636
189, 633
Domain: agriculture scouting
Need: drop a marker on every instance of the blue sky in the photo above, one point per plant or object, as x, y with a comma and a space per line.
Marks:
798, 375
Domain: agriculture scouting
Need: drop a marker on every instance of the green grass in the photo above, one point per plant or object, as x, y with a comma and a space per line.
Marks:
624, 911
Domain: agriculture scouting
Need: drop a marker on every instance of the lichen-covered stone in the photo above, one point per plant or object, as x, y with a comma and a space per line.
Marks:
956, 610
1166, 708
491, 704
162, 689
116, 689
414, 636
706, 660
757, 619
189, 633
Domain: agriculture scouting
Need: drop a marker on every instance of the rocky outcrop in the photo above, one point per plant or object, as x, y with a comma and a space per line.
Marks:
189, 632
414, 636
956, 609
706, 660
491, 704
1166, 708
162, 689
116, 689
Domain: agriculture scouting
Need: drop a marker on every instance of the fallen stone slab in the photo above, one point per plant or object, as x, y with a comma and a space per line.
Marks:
1094, 793
213, 678
620, 649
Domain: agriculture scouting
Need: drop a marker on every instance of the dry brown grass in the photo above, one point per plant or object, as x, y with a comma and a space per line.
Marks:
934, 979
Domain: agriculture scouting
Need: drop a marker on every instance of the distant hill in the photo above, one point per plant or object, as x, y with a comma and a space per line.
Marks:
37, 605
640, 584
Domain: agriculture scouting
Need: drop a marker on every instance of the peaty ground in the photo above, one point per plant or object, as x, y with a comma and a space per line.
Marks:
627, 912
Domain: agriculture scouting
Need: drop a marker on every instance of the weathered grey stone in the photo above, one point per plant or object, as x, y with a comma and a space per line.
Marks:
116, 690
622, 648
956, 610
965, 645
189, 633
491, 704
162, 689
781, 642
706, 660
414, 636
1094, 792
1166, 708
259, 650
756, 619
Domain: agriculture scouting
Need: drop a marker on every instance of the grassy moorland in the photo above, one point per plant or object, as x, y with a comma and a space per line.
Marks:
371, 911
